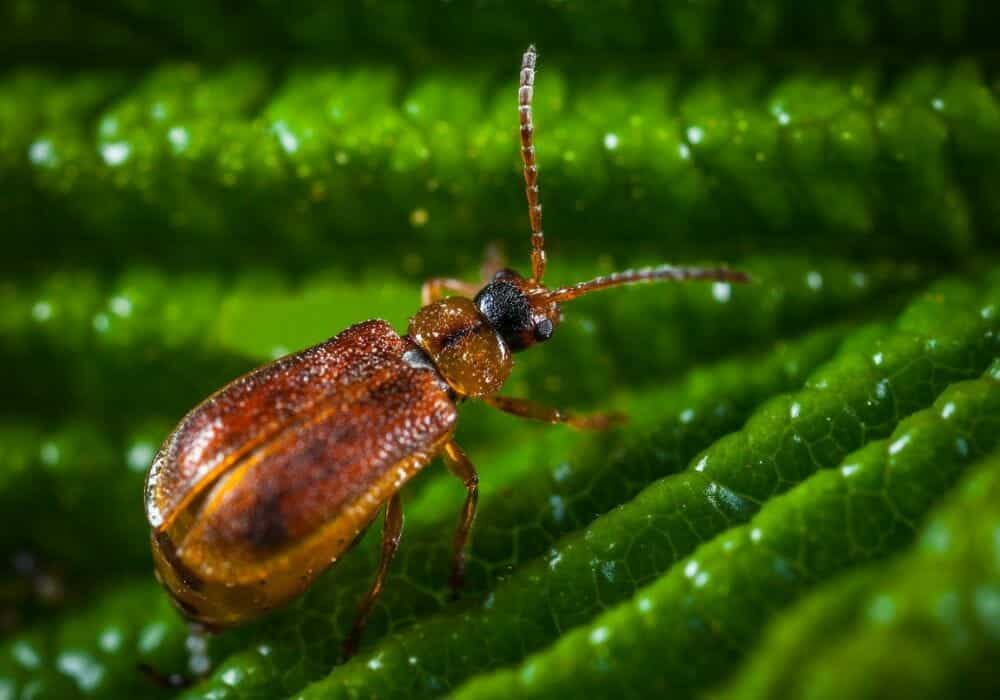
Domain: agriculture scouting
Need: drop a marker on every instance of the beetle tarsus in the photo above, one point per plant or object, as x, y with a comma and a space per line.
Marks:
174, 681
350, 646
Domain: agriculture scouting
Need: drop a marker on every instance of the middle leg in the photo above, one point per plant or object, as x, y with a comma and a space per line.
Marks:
525, 408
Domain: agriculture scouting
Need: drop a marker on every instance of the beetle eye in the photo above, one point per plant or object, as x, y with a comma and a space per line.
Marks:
543, 329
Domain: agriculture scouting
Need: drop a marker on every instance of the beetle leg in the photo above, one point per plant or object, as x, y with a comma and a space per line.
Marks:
171, 681
199, 662
462, 467
434, 289
525, 408
392, 530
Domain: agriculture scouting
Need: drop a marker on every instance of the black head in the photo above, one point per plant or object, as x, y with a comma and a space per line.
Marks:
518, 310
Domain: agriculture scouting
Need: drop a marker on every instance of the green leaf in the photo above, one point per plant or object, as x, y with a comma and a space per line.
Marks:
221, 160
188, 192
935, 607
686, 630
858, 396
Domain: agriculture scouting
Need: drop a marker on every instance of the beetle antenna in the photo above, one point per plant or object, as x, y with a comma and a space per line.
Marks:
661, 273
525, 92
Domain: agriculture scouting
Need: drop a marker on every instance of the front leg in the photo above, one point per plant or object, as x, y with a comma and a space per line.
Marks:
435, 288
526, 408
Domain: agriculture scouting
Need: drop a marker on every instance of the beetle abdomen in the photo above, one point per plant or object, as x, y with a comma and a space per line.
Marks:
268, 481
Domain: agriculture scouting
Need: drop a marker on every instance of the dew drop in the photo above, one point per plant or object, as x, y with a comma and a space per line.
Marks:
849, 469
528, 674
611, 141
121, 306
108, 126
882, 389
608, 571
987, 604
151, 637
558, 507
600, 635
178, 137
286, 138
554, 558
898, 445
962, 446
114, 154
50, 453
722, 292
419, 217
26, 655
231, 677
43, 153
695, 134
101, 322
110, 640
82, 668
937, 537
139, 456
41, 311
562, 472
882, 609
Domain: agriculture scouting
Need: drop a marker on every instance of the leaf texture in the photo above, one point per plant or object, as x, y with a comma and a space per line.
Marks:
807, 482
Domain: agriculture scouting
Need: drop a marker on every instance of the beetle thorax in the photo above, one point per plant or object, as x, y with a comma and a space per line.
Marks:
468, 352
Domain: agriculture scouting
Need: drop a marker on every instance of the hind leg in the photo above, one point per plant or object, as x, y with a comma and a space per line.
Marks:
392, 531
462, 467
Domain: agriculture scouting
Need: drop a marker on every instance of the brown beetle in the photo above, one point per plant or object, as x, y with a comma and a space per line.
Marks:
271, 479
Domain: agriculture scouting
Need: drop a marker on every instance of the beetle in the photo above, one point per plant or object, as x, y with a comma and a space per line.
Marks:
270, 480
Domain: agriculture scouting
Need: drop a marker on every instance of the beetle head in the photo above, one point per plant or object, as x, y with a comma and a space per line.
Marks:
518, 309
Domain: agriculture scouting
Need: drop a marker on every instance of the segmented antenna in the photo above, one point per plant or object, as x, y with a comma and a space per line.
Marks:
525, 92
648, 274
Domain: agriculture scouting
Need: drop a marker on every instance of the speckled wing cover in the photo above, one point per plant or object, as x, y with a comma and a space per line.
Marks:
268, 463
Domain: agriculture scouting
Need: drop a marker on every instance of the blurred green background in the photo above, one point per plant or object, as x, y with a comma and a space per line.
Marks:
805, 501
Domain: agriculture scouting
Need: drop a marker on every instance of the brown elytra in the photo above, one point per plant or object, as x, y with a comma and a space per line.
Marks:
271, 479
